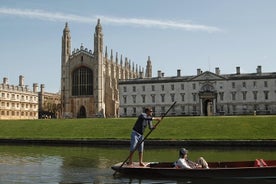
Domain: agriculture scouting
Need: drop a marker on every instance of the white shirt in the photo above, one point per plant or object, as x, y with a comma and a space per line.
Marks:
182, 163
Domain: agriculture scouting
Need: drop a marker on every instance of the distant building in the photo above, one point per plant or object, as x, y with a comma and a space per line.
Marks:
17, 101
89, 80
49, 104
203, 94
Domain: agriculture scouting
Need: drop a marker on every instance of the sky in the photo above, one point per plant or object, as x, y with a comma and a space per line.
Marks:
176, 34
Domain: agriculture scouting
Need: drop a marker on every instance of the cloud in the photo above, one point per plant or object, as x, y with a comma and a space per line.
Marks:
57, 16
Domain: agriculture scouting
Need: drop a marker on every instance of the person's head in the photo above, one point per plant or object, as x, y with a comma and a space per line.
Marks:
183, 152
148, 111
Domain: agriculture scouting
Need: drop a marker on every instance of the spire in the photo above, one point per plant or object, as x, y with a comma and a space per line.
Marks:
111, 55
106, 55
117, 58
66, 43
66, 29
98, 38
149, 68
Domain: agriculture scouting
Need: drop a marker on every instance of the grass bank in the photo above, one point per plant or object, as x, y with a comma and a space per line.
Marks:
171, 128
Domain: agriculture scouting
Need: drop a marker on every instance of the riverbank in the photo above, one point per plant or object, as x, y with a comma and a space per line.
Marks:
151, 143
172, 131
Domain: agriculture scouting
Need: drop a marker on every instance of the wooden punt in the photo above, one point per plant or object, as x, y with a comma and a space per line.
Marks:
238, 169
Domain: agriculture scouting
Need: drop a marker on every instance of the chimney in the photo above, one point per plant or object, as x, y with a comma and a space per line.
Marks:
217, 71
42, 88
259, 69
178, 73
35, 87
159, 74
198, 71
238, 70
21, 80
5, 80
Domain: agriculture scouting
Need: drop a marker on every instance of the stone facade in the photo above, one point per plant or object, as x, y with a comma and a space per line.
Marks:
89, 80
17, 101
205, 93
49, 104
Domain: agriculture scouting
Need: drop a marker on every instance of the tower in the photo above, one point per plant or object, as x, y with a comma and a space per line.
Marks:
98, 53
149, 68
65, 53
89, 80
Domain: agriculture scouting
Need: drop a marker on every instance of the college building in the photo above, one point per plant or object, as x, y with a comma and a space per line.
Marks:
204, 94
20, 102
89, 79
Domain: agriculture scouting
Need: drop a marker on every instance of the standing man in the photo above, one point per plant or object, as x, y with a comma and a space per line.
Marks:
138, 129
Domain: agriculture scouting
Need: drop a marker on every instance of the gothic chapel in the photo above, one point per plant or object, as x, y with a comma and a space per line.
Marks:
89, 80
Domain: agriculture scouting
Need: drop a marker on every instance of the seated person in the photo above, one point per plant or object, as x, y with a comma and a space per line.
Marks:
184, 163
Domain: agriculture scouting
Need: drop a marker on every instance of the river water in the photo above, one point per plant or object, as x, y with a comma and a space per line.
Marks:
83, 165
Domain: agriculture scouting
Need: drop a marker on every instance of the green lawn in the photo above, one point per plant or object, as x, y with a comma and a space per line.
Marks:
170, 128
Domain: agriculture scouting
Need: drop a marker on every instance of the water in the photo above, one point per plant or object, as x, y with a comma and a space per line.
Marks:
83, 165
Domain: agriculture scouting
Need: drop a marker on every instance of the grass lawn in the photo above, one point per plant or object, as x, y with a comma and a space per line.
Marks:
170, 128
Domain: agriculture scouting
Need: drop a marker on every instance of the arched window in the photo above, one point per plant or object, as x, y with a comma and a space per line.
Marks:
82, 82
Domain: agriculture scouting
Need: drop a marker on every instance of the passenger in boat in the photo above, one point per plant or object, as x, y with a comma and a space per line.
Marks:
144, 120
184, 163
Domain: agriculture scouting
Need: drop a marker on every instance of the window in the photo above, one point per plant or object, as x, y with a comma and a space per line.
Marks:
153, 88
162, 97
233, 95
153, 98
244, 84
254, 84
194, 86
244, 95
134, 88
265, 84
255, 95
172, 97
162, 87
194, 97
143, 98
172, 87
143, 88
82, 82
182, 86
134, 98
233, 85
125, 99
182, 97
221, 95
266, 95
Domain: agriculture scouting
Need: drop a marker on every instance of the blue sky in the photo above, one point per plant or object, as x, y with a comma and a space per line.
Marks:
176, 34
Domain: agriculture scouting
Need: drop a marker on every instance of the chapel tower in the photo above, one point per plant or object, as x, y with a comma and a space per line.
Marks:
89, 80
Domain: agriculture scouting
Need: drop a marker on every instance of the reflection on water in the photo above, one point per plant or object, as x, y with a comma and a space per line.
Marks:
82, 165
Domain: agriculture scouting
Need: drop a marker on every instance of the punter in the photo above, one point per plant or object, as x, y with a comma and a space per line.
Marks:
144, 120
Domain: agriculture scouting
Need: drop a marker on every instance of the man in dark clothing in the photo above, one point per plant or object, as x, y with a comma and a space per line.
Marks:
144, 120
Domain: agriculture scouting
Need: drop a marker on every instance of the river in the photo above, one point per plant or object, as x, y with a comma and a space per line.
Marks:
27, 164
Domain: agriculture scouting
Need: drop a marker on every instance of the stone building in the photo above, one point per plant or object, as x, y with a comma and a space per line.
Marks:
18, 101
49, 104
89, 80
205, 93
